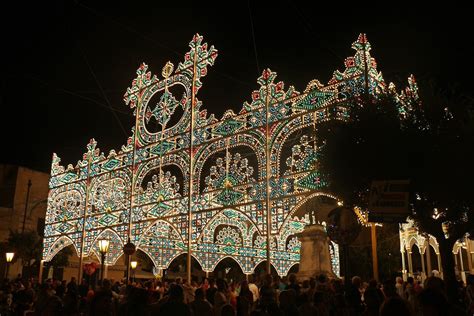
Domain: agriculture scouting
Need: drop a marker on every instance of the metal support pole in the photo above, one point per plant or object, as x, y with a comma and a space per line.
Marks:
26, 205
347, 279
191, 170
40, 274
267, 178
7, 268
127, 270
86, 206
375, 264
428, 258
102, 268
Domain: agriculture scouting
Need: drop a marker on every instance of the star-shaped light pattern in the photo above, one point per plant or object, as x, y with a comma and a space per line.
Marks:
164, 109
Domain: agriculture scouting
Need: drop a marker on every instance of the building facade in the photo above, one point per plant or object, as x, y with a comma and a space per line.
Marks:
22, 206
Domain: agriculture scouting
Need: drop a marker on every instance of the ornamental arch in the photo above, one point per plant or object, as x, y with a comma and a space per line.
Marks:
232, 207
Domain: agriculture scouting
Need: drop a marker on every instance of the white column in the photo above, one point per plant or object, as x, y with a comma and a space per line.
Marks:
440, 267
410, 264
428, 259
469, 255
423, 272
404, 269
456, 264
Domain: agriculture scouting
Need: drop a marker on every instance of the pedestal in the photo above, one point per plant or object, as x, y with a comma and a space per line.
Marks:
314, 253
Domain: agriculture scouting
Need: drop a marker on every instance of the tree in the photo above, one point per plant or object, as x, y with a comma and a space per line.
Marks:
392, 136
27, 247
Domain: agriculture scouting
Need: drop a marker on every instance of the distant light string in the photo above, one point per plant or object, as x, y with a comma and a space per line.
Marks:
253, 38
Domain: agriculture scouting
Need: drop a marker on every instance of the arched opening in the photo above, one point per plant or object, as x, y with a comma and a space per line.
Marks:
463, 264
294, 269
304, 135
433, 259
416, 259
229, 270
144, 269
241, 168
59, 266
177, 268
261, 270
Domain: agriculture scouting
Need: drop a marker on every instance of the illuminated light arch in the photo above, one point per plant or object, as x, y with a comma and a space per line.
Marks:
162, 242
115, 246
238, 141
268, 198
58, 245
301, 202
280, 273
235, 259
177, 160
229, 217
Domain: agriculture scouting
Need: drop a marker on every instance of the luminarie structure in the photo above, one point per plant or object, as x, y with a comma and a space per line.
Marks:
187, 182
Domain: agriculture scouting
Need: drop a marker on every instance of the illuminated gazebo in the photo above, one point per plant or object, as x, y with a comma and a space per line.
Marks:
188, 183
425, 251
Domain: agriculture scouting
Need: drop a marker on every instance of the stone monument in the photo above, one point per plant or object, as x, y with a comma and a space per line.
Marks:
314, 252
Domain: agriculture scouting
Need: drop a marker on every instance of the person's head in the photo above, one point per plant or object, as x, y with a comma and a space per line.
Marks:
205, 281
389, 288
433, 302
399, 280
305, 284
356, 281
199, 294
373, 283
395, 306
212, 282
176, 293
322, 278
410, 280
268, 279
221, 285
312, 283
470, 279
318, 297
244, 286
227, 310
179, 280
292, 278
435, 283
287, 298
106, 284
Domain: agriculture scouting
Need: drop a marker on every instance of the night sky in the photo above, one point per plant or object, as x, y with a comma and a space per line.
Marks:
58, 57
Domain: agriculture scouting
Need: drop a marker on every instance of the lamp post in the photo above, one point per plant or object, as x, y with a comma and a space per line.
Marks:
9, 257
343, 228
133, 265
103, 248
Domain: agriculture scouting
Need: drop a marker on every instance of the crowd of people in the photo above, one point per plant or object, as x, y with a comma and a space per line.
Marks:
320, 296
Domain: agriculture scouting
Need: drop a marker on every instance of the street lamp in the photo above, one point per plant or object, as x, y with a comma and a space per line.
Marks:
103, 248
133, 265
9, 257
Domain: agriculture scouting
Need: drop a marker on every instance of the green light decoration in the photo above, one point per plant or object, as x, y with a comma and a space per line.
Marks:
142, 193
